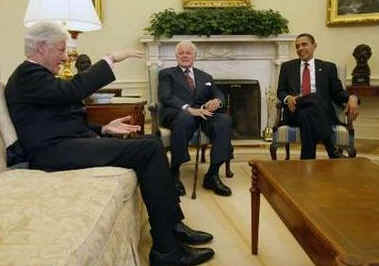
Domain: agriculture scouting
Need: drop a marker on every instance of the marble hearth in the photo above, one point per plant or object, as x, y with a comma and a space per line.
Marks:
226, 57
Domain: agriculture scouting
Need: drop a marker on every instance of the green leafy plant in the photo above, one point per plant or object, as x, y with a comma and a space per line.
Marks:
213, 21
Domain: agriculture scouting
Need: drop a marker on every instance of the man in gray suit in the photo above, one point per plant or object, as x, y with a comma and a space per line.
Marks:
191, 100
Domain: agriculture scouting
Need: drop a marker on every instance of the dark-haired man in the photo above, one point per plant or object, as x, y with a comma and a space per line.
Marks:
308, 87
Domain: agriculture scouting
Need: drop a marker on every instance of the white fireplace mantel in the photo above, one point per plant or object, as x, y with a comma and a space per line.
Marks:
225, 57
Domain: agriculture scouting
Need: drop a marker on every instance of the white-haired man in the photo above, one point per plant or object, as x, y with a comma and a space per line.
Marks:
191, 100
52, 130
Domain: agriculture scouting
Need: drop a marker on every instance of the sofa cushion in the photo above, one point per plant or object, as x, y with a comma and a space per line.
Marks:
54, 218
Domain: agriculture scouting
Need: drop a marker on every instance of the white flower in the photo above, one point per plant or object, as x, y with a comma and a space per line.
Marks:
208, 84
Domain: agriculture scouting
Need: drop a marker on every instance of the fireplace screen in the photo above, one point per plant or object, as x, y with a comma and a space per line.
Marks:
243, 103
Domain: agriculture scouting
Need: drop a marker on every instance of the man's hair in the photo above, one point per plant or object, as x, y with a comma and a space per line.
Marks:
43, 32
308, 35
186, 43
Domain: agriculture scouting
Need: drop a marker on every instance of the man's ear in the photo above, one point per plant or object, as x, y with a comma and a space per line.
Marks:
42, 48
315, 45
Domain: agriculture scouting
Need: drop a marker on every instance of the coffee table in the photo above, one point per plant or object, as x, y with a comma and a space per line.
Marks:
330, 206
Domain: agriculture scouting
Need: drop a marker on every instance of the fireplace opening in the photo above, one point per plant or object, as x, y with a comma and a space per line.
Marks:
243, 103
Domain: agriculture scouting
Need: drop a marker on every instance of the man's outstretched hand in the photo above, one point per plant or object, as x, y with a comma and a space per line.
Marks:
120, 55
118, 127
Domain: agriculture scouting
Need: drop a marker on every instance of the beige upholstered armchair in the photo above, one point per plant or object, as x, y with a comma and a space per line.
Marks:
92, 216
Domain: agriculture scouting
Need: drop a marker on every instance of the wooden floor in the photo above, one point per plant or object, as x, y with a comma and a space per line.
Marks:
228, 218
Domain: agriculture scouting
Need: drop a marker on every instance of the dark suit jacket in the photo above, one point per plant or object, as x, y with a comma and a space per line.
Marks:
174, 92
45, 109
328, 85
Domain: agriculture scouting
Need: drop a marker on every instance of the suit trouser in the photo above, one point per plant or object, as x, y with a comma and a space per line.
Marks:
218, 128
145, 155
312, 118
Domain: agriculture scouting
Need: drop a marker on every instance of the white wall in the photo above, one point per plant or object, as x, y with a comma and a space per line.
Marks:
124, 22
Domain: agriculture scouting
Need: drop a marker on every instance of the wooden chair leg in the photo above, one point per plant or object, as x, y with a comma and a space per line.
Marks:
228, 171
203, 149
287, 151
196, 172
273, 148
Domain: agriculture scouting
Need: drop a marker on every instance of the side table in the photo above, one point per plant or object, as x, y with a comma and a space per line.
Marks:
102, 114
364, 90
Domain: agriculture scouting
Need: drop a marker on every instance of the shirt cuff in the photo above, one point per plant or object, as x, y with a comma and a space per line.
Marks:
109, 60
184, 107
285, 101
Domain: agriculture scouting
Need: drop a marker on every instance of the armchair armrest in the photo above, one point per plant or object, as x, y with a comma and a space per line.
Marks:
153, 108
279, 114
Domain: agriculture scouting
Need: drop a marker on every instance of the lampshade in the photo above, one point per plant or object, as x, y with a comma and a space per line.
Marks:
76, 15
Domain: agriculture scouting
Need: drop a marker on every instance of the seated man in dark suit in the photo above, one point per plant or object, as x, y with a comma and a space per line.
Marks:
308, 87
53, 131
191, 100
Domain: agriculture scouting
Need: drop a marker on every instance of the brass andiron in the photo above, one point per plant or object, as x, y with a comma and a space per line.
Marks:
267, 134
270, 102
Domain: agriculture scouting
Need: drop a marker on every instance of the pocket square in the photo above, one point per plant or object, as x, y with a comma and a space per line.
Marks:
208, 84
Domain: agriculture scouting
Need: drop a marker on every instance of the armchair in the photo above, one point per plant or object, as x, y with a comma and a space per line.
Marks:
199, 140
284, 135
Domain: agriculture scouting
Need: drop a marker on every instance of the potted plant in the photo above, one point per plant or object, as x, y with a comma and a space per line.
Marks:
216, 21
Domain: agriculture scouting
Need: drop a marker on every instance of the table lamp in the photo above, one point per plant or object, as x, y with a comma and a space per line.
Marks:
76, 15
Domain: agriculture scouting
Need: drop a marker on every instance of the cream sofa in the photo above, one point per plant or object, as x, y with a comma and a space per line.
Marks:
91, 216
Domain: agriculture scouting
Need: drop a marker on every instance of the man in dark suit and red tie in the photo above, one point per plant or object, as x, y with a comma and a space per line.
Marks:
308, 87
191, 100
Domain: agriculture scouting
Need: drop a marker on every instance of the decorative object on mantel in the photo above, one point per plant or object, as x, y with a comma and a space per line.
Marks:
271, 100
215, 3
361, 72
217, 21
352, 12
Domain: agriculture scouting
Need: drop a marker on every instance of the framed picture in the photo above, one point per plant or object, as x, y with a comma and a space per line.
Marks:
352, 12
215, 3
99, 8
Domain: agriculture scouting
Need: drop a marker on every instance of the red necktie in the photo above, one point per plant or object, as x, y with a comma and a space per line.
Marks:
189, 79
306, 83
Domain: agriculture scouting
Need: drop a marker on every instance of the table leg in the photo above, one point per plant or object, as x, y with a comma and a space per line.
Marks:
255, 202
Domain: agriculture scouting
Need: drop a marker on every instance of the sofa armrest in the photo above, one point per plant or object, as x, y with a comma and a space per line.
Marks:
153, 108
3, 155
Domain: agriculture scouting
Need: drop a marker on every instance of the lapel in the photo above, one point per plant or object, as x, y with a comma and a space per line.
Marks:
197, 75
319, 72
296, 77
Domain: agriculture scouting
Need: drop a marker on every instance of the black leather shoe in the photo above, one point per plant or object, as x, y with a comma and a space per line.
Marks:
214, 183
183, 256
180, 187
189, 236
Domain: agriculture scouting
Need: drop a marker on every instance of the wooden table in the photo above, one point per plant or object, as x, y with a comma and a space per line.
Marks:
119, 106
330, 206
364, 90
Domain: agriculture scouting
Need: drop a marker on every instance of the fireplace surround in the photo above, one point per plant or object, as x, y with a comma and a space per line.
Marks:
238, 57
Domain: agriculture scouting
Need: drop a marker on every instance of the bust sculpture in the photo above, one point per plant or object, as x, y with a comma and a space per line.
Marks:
361, 72
83, 62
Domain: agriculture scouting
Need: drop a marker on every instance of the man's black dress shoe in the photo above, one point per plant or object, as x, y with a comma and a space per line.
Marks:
189, 236
180, 187
213, 182
182, 256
